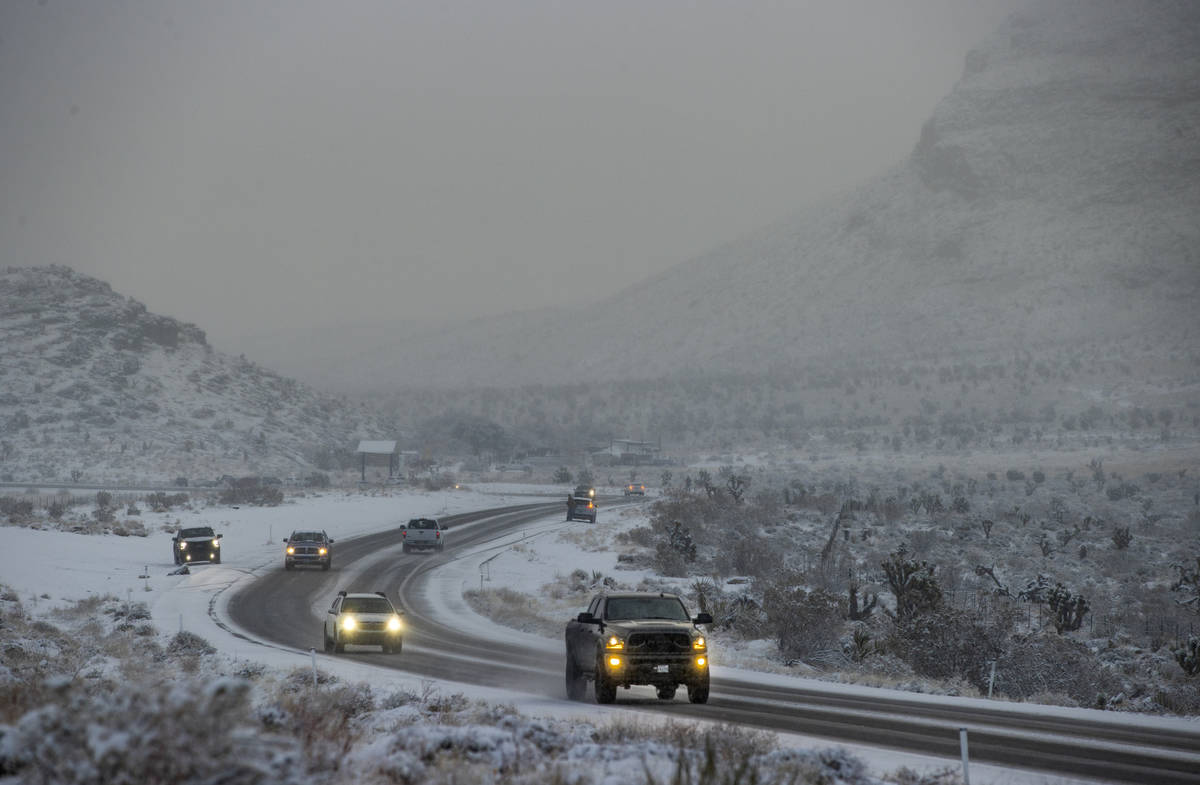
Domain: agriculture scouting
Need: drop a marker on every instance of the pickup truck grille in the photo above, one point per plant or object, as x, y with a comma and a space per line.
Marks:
658, 643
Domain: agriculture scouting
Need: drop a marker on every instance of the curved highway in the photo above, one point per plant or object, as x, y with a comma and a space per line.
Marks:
286, 609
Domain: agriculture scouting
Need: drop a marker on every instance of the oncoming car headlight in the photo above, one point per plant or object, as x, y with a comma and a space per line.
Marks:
321, 551
699, 644
216, 543
701, 662
348, 623
291, 550
183, 546
393, 624
614, 642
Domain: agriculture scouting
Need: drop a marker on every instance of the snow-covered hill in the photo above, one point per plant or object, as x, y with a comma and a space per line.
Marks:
1051, 198
95, 389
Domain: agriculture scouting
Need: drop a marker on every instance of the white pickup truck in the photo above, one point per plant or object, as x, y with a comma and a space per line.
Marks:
423, 534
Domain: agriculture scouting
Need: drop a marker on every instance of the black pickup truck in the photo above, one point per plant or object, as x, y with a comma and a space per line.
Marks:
637, 638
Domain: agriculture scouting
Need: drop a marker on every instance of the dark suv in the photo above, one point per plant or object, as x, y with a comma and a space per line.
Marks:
198, 543
308, 547
363, 619
637, 638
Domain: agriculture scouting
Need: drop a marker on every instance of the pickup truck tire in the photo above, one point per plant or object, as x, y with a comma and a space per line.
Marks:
666, 693
404, 548
326, 644
340, 648
217, 559
576, 682
698, 690
605, 688
393, 649
287, 565
328, 563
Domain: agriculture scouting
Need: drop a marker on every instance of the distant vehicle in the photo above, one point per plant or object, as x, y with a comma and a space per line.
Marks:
423, 534
196, 544
363, 620
585, 490
635, 489
308, 548
637, 638
581, 508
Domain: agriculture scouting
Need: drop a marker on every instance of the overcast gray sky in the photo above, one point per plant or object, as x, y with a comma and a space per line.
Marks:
247, 165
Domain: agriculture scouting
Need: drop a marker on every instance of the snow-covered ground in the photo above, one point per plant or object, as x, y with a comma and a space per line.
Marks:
50, 569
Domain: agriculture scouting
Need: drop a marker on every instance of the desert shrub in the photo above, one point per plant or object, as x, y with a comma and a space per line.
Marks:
749, 555
1037, 664
131, 735
806, 624
189, 644
1188, 656
946, 643
675, 550
912, 583
17, 510
262, 495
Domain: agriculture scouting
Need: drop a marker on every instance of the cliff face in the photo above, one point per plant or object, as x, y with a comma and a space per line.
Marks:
1051, 198
95, 388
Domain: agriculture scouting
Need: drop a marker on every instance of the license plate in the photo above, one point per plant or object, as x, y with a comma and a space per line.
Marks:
662, 668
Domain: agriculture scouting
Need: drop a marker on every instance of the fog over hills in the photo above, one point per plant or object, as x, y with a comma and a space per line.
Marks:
96, 389
1051, 198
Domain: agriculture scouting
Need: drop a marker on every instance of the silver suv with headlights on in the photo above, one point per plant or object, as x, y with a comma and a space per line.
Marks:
363, 620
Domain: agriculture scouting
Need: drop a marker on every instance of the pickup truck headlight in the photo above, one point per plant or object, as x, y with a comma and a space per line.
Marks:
699, 644
701, 662
290, 550
348, 623
321, 551
614, 643
394, 624
216, 543
183, 546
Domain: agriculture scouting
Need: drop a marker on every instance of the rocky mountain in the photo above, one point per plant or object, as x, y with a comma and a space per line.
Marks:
1051, 198
96, 389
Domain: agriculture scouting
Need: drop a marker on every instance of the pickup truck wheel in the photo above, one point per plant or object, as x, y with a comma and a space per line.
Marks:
328, 563
399, 645
605, 688
340, 648
666, 693
698, 691
326, 643
287, 565
404, 548
576, 683
217, 559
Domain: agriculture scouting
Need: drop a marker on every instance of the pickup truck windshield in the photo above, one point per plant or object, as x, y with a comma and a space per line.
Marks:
671, 608
308, 537
202, 532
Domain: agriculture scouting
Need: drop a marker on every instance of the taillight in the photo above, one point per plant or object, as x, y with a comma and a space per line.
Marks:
403, 533
437, 535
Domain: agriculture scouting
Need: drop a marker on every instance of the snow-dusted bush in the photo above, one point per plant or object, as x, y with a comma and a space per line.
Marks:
1040, 664
946, 643
807, 624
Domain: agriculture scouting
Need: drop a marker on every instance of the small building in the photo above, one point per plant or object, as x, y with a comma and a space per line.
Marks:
379, 455
628, 452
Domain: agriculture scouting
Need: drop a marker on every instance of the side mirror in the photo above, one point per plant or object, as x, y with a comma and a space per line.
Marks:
585, 618
703, 618
219, 536
330, 541
284, 541
331, 610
